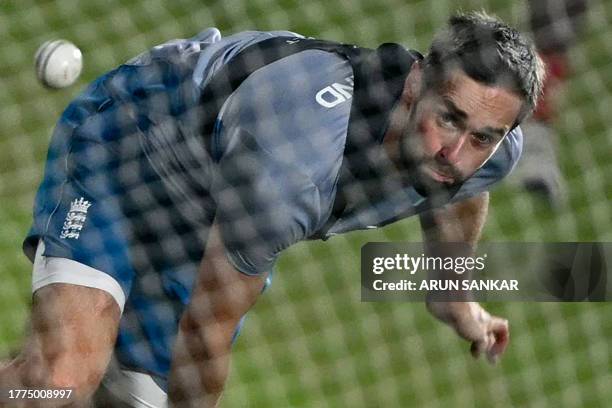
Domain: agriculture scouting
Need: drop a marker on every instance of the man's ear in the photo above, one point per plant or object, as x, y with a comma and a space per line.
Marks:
413, 83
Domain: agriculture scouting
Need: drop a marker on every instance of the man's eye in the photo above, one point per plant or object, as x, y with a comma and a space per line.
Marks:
483, 139
447, 120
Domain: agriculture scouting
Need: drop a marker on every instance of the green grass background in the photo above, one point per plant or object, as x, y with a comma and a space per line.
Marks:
310, 342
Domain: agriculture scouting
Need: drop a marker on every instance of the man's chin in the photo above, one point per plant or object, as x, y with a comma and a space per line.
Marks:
438, 177
424, 178
427, 184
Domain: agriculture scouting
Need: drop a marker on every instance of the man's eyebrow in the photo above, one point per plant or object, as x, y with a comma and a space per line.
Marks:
450, 105
487, 130
491, 131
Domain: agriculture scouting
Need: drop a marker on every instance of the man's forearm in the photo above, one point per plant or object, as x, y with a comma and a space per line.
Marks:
200, 366
453, 231
459, 222
462, 223
21, 374
201, 355
11, 378
70, 342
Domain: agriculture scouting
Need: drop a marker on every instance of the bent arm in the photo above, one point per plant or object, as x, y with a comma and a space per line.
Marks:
463, 222
73, 330
201, 355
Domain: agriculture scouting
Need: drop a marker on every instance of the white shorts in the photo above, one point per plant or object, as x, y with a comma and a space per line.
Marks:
123, 387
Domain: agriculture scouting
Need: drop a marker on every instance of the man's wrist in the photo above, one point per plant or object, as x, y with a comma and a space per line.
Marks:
448, 312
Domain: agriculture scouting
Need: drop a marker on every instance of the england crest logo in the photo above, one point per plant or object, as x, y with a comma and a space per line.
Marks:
75, 219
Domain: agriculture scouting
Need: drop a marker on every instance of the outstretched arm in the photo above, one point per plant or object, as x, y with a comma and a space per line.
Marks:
201, 355
463, 222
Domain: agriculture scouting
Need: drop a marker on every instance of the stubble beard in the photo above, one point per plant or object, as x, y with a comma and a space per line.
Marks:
414, 161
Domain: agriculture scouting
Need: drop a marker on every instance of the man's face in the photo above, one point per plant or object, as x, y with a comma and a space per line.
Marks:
453, 131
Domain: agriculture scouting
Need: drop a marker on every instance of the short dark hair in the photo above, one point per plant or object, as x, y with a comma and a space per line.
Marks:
488, 51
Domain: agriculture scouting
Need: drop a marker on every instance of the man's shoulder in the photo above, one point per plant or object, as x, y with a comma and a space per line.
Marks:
504, 159
295, 109
313, 79
496, 168
508, 154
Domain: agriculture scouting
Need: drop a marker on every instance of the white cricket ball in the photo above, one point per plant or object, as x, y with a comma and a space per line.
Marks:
58, 63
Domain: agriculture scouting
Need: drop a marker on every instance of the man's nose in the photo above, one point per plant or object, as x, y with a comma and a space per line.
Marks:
450, 151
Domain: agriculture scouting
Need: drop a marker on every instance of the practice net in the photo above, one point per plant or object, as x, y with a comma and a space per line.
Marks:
310, 341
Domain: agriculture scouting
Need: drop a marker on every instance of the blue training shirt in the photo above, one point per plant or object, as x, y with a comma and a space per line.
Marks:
130, 149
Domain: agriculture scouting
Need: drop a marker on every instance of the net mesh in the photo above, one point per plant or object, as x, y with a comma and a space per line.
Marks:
310, 341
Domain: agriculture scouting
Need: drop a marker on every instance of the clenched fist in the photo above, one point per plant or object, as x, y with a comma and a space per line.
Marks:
489, 334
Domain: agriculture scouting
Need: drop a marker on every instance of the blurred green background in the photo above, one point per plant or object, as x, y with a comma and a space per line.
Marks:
310, 341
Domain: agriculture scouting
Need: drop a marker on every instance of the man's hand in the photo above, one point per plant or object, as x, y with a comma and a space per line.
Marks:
488, 334
463, 222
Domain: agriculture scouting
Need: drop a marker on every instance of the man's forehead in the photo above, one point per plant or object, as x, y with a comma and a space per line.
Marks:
491, 105
458, 81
